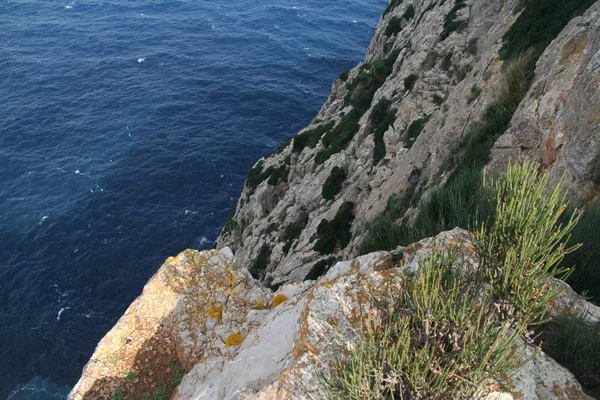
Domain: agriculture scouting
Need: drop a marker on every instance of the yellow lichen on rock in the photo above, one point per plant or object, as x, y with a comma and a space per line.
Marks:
279, 299
235, 339
215, 313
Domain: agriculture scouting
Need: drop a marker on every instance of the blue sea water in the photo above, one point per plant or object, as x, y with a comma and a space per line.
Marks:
126, 131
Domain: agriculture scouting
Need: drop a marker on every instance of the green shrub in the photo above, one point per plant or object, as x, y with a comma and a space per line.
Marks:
335, 233
118, 394
393, 4
524, 246
410, 80
450, 22
260, 263
437, 100
539, 24
475, 93
441, 341
344, 76
310, 137
333, 183
293, 231
231, 224
575, 344
409, 13
453, 328
585, 261
414, 130
320, 268
382, 117
393, 27
339, 137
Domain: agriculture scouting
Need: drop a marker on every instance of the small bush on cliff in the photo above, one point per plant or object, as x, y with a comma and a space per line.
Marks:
451, 24
335, 233
393, 27
409, 13
334, 182
414, 130
410, 80
455, 327
382, 117
293, 231
311, 137
261, 262
320, 268
338, 138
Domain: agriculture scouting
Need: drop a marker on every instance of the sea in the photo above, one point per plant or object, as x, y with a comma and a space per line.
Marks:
126, 130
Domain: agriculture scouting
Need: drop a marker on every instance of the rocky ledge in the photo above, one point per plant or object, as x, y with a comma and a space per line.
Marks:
234, 339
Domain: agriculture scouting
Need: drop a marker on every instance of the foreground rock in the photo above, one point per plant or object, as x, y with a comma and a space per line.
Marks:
241, 341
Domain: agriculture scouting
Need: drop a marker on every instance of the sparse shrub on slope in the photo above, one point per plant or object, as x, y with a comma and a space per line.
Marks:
452, 328
336, 233
333, 183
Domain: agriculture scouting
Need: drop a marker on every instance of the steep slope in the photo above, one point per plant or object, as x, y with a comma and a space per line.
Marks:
390, 132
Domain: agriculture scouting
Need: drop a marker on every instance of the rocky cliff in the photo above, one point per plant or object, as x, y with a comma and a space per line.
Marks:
440, 79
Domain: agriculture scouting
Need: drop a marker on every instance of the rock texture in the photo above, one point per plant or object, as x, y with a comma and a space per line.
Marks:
443, 82
197, 300
558, 122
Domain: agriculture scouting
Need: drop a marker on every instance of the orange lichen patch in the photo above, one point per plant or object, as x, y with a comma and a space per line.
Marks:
235, 339
215, 312
279, 299
259, 305
232, 279
363, 297
333, 321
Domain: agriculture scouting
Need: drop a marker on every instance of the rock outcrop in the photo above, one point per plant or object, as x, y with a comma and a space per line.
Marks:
240, 341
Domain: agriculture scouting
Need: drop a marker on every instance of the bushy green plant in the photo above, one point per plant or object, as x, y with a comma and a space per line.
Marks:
311, 137
293, 231
454, 327
414, 130
339, 137
254, 175
409, 13
393, 27
382, 117
344, 76
260, 263
437, 99
410, 80
523, 248
335, 233
451, 24
320, 268
333, 183
441, 341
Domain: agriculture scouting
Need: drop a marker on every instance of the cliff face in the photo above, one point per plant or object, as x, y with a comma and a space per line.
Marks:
391, 132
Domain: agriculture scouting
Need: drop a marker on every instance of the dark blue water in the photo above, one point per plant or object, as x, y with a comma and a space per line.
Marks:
126, 130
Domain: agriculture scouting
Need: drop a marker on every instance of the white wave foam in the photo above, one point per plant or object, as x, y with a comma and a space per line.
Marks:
141, 59
60, 312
